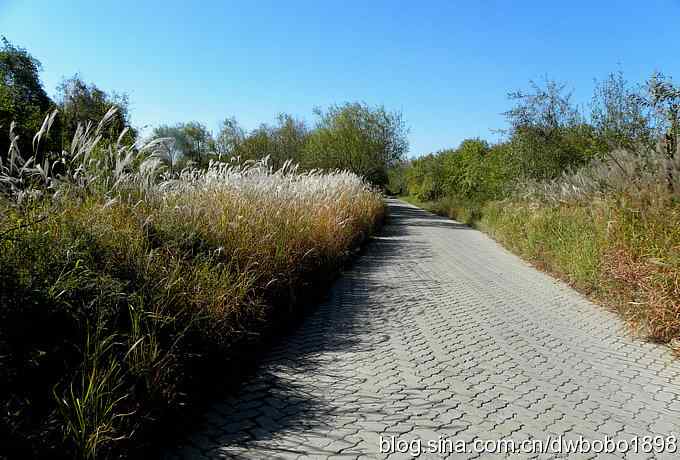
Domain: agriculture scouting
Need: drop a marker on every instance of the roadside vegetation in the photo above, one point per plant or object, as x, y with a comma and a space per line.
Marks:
133, 273
352, 136
593, 198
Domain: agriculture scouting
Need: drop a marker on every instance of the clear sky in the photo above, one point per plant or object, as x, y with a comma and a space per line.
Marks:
447, 65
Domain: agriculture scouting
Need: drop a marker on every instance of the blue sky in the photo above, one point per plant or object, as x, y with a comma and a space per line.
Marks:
447, 65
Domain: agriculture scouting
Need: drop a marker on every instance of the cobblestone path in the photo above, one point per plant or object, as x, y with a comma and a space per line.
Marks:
438, 332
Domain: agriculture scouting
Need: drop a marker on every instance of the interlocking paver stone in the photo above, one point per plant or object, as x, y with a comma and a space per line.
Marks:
439, 332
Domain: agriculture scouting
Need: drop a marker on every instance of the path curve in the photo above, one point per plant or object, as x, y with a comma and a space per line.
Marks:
440, 332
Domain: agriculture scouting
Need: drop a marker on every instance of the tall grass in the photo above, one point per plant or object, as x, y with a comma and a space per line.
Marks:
624, 244
121, 284
610, 228
639, 175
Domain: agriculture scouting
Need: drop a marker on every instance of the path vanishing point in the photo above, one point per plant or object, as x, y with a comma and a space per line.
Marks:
437, 332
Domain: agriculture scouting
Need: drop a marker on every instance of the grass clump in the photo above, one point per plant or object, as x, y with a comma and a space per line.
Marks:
122, 285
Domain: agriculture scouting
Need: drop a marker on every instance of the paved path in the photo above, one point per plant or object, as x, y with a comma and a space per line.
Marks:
440, 332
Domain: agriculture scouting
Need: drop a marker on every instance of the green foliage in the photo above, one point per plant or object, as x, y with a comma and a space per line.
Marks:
397, 183
619, 116
80, 103
22, 97
664, 99
425, 178
190, 141
465, 168
547, 133
548, 137
230, 137
367, 141
25, 104
279, 143
473, 171
90, 406
355, 137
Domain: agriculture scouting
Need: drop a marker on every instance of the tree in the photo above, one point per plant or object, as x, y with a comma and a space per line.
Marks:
365, 140
397, 180
290, 137
80, 102
664, 98
258, 144
22, 97
281, 142
200, 142
547, 133
620, 115
230, 137
546, 108
465, 168
425, 177
191, 141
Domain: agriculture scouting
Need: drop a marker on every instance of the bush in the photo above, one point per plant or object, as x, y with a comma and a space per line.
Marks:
425, 178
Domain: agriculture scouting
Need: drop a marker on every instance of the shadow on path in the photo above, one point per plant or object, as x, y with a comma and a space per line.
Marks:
437, 333
293, 388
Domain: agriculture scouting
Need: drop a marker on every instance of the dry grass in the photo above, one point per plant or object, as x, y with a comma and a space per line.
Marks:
633, 200
610, 229
639, 175
119, 282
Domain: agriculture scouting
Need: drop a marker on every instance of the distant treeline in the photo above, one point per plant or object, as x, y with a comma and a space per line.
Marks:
353, 136
548, 136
